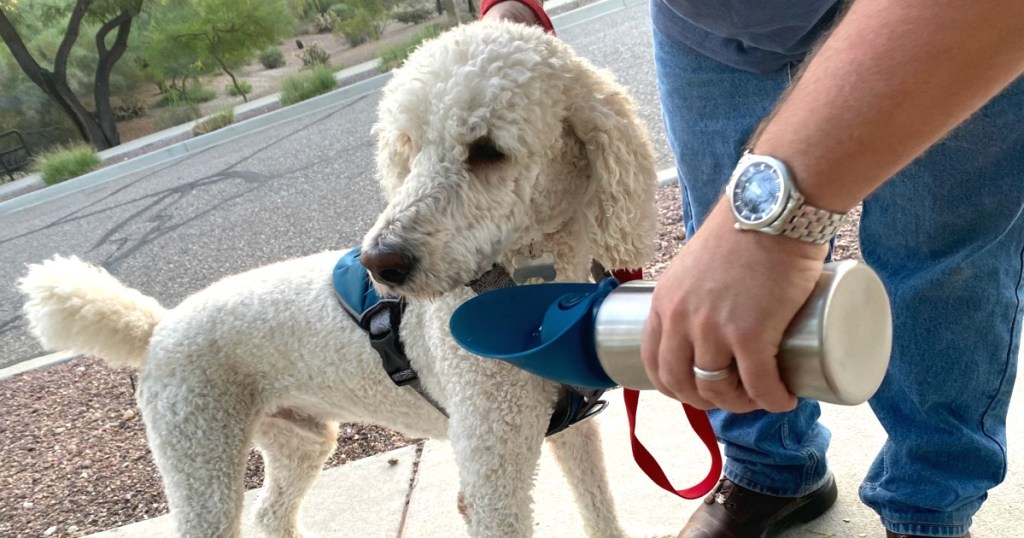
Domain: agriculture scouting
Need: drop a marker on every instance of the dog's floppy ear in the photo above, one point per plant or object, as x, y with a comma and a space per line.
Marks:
619, 205
395, 152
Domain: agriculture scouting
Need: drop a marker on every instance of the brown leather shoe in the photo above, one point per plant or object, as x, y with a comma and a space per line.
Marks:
732, 511
890, 534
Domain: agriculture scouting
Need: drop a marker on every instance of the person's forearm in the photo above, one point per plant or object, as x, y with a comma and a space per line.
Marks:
893, 78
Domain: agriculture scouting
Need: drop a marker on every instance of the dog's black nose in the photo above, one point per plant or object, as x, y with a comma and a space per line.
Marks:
388, 266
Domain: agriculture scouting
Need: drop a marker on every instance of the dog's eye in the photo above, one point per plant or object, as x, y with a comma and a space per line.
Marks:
483, 151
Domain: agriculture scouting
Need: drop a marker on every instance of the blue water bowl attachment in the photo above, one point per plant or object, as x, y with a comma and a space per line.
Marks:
545, 329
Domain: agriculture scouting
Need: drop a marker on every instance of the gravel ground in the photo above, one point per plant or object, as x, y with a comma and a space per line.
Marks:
73, 446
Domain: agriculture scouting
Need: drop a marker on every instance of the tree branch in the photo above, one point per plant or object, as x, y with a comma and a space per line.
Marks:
21, 54
60, 63
104, 31
107, 58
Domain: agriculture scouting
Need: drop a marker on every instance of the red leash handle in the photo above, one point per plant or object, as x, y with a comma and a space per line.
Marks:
535, 7
699, 422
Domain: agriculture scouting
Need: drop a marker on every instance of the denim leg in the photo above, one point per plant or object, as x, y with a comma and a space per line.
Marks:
710, 112
947, 238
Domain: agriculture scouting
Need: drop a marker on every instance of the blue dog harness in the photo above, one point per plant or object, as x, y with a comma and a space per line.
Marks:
380, 316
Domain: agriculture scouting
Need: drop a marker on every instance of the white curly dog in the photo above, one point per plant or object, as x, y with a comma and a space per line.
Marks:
493, 140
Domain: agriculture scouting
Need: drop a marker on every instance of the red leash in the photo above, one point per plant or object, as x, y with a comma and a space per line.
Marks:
698, 421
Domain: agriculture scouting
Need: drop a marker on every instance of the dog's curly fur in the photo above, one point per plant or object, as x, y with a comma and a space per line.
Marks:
269, 357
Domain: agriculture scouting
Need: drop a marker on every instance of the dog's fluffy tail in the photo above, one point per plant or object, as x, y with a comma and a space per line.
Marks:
74, 306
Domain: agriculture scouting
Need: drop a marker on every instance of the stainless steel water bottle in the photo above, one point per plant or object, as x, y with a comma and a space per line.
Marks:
835, 350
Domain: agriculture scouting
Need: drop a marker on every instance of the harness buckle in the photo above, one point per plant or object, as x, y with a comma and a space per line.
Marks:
575, 405
397, 367
381, 323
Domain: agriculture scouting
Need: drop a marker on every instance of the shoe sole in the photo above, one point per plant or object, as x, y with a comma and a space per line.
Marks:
816, 505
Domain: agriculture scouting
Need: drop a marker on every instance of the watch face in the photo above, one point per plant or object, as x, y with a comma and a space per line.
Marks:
757, 193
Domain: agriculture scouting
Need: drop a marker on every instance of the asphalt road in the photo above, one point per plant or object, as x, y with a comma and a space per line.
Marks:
300, 187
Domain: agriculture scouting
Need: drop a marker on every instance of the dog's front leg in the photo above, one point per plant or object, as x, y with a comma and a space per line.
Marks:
497, 428
579, 454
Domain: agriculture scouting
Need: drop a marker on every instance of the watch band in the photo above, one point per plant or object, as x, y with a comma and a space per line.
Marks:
810, 224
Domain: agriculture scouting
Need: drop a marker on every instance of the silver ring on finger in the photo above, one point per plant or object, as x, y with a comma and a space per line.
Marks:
714, 375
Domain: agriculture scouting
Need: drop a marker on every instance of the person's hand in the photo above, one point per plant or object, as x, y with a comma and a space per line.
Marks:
511, 11
725, 301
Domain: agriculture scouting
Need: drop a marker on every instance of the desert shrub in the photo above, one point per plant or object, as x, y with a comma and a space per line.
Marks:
392, 57
193, 93
365, 20
342, 11
314, 56
130, 107
305, 85
272, 58
245, 87
323, 23
171, 116
412, 14
65, 163
221, 119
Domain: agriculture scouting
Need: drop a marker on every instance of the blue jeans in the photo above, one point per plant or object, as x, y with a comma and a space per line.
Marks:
946, 236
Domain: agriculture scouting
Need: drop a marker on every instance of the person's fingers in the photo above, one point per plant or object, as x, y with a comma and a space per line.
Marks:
724, 391
762, 382
668, 363
649, 344
675, 371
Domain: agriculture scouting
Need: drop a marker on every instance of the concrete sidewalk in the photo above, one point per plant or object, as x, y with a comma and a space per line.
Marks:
405, 494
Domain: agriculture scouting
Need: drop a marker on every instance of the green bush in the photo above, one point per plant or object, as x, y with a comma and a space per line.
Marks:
221, 119
342, 11
412, 14
393, 57
314, 56
364, 23
176, 115
272, 58
245, 86
65, 163
193, 93
305, 85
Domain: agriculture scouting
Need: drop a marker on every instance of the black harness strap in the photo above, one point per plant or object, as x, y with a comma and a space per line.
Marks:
575, 404
381, 322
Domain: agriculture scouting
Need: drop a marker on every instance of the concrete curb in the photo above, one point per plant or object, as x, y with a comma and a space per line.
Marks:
37, 363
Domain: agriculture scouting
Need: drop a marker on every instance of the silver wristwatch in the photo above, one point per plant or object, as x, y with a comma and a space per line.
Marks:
764, 199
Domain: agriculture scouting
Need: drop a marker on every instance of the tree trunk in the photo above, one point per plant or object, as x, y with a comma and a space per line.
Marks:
107, 59
55, 84
453, 14
438, 6
472, 9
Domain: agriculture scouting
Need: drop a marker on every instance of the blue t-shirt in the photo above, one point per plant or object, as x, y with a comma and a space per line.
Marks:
755, 35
